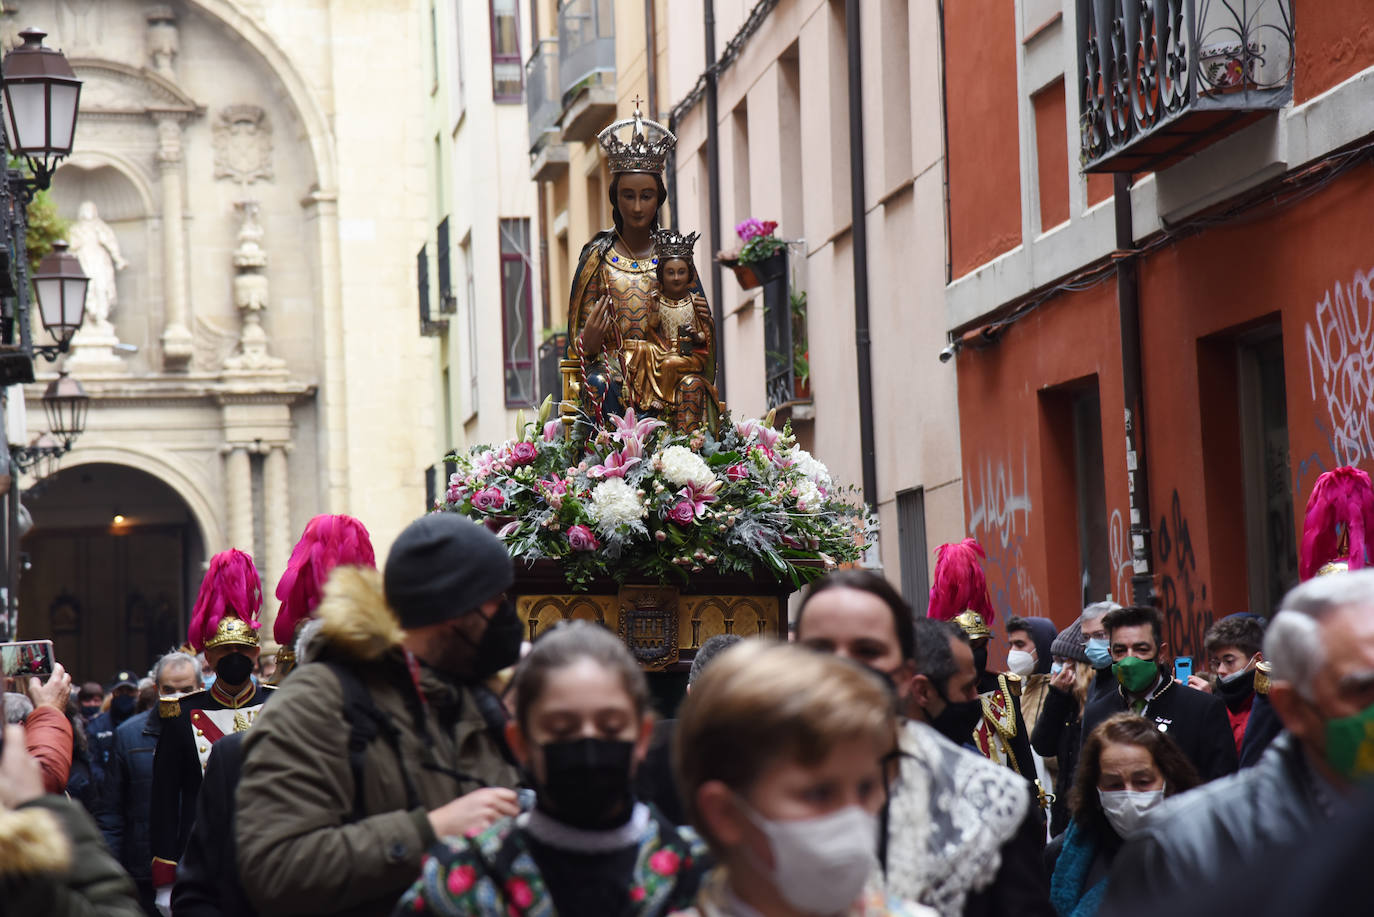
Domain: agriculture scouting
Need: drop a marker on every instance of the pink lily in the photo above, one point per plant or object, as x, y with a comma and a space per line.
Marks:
631, 427
615, 466
551, 429
699, 497
767, 436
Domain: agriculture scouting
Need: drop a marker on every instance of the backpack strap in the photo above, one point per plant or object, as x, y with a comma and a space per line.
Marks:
366, 723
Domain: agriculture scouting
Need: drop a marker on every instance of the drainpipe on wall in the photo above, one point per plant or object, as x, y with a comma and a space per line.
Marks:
1133, 393
713, 181
651, 56
858, 220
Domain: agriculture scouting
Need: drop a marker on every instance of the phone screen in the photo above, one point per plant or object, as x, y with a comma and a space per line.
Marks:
1183, 667
27, 658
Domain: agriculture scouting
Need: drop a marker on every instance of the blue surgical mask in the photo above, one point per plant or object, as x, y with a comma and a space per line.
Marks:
1056, 668
1099, 652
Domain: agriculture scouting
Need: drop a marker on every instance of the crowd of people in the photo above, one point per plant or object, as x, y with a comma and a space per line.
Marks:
878, 763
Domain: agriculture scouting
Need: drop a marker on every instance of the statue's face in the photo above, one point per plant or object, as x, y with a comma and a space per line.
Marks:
677, 278
636, 198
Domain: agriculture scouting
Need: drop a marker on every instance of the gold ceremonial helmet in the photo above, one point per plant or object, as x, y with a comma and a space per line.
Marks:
973, 624
232, 631
1336, 566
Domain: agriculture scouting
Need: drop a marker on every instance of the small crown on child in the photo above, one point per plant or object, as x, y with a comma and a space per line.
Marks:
669, 244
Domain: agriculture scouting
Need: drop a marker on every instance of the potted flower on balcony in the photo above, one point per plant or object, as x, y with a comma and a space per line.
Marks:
762, 258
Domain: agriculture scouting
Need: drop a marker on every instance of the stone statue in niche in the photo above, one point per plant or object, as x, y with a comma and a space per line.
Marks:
251, 294
243, 144
95, 246
163, 42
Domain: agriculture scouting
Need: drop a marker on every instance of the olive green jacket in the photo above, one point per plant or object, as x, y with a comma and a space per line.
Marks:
53, 862
300, 851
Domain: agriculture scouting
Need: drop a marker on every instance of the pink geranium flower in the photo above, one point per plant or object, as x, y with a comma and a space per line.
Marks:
580, 538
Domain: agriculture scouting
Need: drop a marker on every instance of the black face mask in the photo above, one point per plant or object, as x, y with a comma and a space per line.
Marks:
1236, 691
90, 711
980, 659
587, 783
499, 647
234, 669
122, 707
957, 720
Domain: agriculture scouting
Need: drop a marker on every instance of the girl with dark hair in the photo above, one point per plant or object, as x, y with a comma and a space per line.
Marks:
1127, 767
582, 726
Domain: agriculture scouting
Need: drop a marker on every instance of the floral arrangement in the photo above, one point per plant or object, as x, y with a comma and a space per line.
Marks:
759, 241
641, 498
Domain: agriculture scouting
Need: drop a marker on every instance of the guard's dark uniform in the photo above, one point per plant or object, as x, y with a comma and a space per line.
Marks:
190, 728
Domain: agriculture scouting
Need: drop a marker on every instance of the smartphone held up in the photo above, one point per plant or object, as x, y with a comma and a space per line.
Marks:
27, 658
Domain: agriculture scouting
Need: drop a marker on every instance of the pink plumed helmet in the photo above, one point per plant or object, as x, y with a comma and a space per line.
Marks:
1340, 517
227, 606
329, 541
959, 591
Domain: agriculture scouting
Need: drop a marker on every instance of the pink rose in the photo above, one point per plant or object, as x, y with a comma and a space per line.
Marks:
489, 499
637, 894
461, 879
665, 862
736, 472
683, 513
523, 453
581, 538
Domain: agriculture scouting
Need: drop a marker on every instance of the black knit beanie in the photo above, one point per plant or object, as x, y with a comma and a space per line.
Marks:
441, 566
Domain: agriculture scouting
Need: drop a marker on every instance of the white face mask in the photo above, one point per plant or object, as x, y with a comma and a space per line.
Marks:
1125, 809
1020, 662
820, 865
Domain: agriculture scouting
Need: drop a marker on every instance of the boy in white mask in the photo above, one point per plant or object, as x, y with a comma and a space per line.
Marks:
1127, 767
781, 761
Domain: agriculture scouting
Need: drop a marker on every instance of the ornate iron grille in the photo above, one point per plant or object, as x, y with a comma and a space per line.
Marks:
1159, 79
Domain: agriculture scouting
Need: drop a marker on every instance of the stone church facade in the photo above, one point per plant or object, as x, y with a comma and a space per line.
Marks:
246, 189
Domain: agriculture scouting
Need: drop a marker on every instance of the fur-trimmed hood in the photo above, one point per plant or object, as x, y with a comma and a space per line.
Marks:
355, 621
32, 843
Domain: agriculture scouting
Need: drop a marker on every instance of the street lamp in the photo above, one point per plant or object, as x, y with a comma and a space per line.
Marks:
60, 286
41, 95
65, 402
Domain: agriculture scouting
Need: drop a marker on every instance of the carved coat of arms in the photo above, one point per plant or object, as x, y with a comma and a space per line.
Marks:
243, 144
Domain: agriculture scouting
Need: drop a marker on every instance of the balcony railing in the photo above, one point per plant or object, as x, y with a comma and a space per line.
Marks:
429, 325
1160, 79
586, 42
543, 94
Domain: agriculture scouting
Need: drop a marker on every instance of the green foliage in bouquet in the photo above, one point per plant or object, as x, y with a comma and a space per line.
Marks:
641, 499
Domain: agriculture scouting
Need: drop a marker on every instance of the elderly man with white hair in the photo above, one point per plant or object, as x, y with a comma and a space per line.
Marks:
1321, 649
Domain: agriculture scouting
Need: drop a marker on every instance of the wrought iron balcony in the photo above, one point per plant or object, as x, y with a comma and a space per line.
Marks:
544, 99
1161, 79
586, 66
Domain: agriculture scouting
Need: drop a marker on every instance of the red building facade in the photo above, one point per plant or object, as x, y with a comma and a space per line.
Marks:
1251, 252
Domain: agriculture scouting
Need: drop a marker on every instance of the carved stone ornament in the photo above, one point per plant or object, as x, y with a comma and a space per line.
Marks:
163, 41
243, 144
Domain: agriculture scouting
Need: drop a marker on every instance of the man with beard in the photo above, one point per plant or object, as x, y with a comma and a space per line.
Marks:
380, 745
224, 624
960, 834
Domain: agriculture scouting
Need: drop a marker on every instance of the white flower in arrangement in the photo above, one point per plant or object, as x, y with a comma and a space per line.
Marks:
682, 466
808, 465
615, 502
809, 497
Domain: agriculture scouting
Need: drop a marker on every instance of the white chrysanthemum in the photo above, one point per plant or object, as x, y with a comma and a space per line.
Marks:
813, 468
809, 497
615, 502
681, 465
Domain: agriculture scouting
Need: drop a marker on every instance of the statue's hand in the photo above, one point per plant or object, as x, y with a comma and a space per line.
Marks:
597, 326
